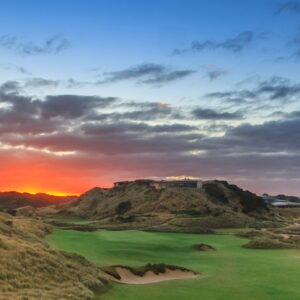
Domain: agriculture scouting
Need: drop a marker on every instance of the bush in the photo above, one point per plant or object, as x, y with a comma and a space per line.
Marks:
215, 192
123, 207
267, 243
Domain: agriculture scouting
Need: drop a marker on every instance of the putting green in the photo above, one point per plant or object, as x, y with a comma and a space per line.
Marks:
231, 272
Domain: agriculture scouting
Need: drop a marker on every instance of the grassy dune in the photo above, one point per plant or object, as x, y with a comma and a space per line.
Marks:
31, 270
231, 272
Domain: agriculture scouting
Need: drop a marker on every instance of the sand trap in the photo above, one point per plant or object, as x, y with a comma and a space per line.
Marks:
128, 277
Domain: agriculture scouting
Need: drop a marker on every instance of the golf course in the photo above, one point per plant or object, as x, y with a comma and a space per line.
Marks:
230, 272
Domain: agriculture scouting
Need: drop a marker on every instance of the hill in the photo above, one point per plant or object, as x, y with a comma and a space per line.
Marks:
30, 269
140, 205
13, 200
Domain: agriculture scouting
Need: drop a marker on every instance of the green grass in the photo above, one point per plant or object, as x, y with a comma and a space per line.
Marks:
231, 272
232, 231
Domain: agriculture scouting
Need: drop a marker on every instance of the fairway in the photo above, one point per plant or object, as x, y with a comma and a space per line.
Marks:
231, 272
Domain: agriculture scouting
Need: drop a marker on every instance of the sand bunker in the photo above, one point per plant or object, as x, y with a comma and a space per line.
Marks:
128, 275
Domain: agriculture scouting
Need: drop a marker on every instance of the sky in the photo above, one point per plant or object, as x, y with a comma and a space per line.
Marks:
93, 92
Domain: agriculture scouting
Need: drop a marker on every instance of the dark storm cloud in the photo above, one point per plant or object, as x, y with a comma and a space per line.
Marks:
235, 44
288, 6
148, 73
211, 114
54, 45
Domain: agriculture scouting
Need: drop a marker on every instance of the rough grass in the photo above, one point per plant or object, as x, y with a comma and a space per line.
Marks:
31, 270
283, 238
268, 243
132, 206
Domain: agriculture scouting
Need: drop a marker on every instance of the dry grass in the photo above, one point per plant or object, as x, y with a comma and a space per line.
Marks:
216, 205
283, 238
30, 269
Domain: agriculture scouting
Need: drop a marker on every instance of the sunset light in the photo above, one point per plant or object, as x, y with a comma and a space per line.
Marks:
150, 149
148, 99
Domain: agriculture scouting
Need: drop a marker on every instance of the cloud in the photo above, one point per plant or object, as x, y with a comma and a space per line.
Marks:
213, 72
295, 43
130, 127
154, 74
41, 82
73, 106
18, 69
53, 45
38, 82
106, 138
294, 49
27, 115
281, 136
155, 111
288, 6
276, 90
210, 114
9, 87
236, 44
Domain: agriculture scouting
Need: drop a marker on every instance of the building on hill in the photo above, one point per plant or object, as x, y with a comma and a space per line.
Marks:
279, 203
159, 184
120, 183
185, 183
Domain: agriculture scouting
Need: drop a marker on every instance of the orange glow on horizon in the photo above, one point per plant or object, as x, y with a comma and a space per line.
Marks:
39, 174
52, 193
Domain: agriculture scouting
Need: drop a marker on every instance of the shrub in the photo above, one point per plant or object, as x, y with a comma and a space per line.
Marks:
215, 192
123, 207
